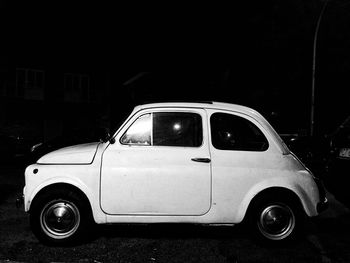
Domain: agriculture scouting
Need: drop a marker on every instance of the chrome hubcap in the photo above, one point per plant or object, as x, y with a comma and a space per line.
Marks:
276, 221
60, 219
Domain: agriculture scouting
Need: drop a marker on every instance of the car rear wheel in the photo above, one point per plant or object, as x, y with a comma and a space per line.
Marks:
275, 221
59, 217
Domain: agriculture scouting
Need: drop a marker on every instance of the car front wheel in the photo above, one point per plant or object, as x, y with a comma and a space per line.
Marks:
59, 217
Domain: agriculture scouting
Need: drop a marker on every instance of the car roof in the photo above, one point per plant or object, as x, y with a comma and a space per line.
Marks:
206, 105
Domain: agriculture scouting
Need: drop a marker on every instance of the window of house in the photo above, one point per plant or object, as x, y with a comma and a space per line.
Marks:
231, 132
30, 83
76, 87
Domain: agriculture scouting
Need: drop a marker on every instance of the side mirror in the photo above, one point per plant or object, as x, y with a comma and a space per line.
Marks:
112, 140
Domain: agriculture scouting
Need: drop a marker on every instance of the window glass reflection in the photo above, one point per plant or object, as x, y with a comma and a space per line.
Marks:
177, 129
230, 132
139, 132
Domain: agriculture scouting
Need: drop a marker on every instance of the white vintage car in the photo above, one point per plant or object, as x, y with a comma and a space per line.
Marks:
207, 163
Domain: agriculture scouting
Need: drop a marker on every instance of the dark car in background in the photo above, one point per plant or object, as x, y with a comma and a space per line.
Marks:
328, 157
7, 148
13, 148
69, 138
313, 151
338, 163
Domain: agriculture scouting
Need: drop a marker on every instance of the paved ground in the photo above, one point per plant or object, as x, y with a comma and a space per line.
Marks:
327, 239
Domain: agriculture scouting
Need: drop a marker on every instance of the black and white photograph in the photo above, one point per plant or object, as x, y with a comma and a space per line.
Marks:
153, 132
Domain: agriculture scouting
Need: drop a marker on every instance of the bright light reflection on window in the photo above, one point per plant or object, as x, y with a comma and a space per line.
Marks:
177, 126
141, 126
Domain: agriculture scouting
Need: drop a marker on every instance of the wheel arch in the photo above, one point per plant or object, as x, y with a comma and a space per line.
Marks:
274, 192
62, 185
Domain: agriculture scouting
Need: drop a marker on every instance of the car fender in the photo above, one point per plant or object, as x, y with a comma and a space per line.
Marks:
73, 181
259, 187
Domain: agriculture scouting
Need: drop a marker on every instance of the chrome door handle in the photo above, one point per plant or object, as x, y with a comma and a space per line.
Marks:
201, 160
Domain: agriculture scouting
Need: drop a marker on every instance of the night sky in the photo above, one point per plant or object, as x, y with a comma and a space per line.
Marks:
264, 48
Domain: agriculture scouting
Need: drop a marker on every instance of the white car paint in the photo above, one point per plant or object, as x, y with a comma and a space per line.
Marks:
135, 184
77, 154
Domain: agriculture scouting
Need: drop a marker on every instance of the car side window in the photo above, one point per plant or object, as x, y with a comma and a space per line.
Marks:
165, 129
231, 132
139, 133
177, 129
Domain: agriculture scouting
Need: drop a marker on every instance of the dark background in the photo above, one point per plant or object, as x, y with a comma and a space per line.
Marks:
96, 61
258, 54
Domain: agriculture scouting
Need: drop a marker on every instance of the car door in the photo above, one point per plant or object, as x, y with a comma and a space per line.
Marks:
240, 156
159, 165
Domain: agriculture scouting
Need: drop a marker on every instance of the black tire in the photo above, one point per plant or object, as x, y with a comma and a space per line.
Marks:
275, 221
60, 217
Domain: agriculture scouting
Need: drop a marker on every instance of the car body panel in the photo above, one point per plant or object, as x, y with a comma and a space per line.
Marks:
83, 177
77, 154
